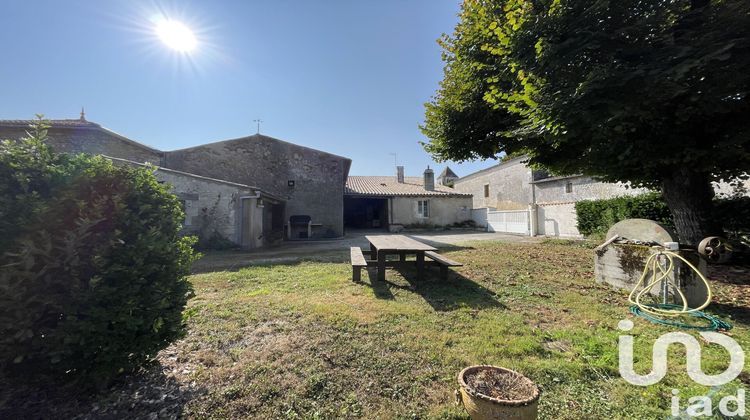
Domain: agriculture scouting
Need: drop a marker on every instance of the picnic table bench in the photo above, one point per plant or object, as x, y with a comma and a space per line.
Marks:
383, 245
358, 263
442, 261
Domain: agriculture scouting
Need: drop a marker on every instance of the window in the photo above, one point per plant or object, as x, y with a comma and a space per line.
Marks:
486, 190
184, 205
423, 208
569, 187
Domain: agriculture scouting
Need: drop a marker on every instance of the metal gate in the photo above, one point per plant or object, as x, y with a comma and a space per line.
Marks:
509, 221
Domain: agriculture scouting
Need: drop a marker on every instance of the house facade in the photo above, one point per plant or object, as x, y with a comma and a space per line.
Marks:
245, 190
511, 193
395, 202
549, 202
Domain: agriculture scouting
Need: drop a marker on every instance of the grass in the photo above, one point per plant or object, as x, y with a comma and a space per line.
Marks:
303, 341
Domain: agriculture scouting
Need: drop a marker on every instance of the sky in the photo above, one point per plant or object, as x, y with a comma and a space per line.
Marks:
346, 77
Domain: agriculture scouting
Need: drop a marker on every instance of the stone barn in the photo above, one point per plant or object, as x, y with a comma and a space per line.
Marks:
393, 202
310, 182
243, 190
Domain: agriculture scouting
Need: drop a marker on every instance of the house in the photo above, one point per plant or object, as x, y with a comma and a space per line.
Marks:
512, 197
392, 202
309, 182
246, 190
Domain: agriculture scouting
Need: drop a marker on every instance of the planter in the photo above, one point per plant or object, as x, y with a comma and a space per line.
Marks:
491, 392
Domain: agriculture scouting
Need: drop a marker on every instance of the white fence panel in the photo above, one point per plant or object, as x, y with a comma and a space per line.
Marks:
509, 221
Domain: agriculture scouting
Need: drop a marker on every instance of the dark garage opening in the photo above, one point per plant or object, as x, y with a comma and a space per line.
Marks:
365, 213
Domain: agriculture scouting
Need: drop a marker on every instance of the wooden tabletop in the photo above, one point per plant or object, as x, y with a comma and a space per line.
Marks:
397, 243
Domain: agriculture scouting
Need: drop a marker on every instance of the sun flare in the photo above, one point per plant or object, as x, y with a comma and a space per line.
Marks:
176, 35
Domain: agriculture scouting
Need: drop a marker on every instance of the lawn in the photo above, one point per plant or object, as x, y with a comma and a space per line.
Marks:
302, 340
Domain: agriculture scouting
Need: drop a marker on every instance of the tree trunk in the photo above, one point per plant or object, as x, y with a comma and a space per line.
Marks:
689, 196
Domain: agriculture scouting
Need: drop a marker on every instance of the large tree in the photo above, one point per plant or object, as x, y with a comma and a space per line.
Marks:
654, 93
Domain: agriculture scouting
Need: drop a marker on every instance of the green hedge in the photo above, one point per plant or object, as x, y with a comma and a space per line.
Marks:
94, 269
597, 216
734, 214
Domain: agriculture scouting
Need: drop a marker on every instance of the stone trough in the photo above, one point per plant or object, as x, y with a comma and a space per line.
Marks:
621, 264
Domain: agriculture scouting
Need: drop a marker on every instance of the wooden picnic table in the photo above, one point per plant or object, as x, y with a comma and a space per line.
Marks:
382, 245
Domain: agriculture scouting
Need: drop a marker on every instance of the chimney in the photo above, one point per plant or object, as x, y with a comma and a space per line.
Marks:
400, 174
429, 179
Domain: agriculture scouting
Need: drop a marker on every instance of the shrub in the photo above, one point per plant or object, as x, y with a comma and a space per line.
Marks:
94, 273
597, 216
734, 214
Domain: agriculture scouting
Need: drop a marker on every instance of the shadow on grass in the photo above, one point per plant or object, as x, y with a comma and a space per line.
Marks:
453, 293
236, 261
382, 289
138, 395
737, 313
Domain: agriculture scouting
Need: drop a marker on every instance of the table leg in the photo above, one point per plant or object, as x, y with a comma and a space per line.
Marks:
402, 256
381, 266
373, 252
420, 265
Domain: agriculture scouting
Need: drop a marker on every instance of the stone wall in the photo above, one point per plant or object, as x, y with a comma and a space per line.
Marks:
479, 216
509, 185
209, 205
724, 188
557, 220
443, 210
272, 165
556, 213
553, 190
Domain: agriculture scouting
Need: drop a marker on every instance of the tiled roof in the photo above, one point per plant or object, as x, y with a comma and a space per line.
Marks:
387, 186
52, 123
73, 124
447, 173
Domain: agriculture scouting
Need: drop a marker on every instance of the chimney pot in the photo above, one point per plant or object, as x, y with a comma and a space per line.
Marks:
429, 179
400, 174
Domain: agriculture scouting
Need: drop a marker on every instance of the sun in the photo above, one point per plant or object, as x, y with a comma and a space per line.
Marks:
176, 35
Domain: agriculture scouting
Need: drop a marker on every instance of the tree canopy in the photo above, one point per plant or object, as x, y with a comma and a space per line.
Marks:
646, 92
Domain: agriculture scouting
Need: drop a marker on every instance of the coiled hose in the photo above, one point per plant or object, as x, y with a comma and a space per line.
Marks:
660, 313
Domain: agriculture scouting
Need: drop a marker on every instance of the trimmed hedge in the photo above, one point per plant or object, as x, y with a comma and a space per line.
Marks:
94, 269
597, 216
734, 213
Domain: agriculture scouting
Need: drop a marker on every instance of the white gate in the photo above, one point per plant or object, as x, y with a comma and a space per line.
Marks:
509, 221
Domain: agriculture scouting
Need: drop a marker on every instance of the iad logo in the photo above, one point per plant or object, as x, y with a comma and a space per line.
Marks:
699, 404
659, 361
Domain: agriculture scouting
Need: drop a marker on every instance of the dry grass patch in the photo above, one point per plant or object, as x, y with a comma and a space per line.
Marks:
301, 340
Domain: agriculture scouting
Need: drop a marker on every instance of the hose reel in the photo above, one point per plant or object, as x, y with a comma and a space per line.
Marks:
715, 249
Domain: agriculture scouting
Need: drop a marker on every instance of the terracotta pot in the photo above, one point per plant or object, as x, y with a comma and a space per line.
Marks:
481, 407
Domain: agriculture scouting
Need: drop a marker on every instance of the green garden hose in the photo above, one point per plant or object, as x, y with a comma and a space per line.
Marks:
661, 312
714, 323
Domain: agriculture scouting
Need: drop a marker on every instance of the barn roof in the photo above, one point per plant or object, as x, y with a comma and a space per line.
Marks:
74, 124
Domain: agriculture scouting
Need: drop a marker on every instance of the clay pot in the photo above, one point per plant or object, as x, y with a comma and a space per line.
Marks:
523, 406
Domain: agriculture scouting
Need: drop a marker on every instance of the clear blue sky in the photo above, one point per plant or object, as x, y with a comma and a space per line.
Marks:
347, 77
